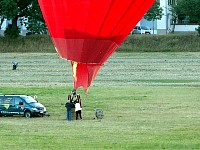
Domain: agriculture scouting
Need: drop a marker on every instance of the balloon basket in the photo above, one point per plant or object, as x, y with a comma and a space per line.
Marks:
73, 114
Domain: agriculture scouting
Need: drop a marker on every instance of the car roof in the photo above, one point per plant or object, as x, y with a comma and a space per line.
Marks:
143, 26
13, 95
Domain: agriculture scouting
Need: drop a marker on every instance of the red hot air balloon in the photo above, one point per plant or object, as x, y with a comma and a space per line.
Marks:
87, 32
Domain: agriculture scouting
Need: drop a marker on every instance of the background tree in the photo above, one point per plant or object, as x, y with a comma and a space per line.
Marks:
23, 10
36, 23
1, 21
190, 8
154, 13
175, 13
14, 9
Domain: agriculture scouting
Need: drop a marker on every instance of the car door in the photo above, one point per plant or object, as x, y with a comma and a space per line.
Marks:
19, 105
8, 105
12, 105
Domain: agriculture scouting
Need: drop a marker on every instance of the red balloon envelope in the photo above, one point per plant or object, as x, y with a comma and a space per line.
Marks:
87, 32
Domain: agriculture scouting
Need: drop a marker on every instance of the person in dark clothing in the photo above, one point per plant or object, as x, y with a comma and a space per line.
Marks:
73, 95
15, 64
69, 107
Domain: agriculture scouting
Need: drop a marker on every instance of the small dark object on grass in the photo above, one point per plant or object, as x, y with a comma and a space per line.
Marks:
15, 64
99, 114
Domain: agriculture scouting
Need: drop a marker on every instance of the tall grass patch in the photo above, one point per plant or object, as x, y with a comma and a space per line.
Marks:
31, 43
161, 43
133, 43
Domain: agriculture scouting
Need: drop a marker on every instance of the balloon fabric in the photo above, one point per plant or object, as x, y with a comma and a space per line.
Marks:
87, 32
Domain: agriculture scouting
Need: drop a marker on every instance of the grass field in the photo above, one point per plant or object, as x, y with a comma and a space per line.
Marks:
150, 101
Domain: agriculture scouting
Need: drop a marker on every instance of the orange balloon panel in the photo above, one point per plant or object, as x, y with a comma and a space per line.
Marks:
89, 31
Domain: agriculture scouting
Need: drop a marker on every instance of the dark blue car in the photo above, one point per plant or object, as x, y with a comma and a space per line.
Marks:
23, 105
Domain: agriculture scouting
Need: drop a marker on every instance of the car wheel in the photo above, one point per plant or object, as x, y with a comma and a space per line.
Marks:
0, 115
27, 114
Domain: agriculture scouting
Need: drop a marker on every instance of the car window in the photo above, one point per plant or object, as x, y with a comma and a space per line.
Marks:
29, 99
1, 99
9, 100
17, 100
145, 27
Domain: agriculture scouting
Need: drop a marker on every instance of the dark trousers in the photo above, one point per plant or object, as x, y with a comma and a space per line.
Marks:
78, 113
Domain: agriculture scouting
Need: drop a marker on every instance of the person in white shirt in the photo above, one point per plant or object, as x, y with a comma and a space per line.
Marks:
78, 107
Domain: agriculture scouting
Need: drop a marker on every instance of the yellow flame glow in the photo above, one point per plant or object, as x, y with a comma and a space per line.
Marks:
74, 66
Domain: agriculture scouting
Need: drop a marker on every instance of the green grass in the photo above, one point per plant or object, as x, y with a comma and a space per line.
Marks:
150, 101
136, 117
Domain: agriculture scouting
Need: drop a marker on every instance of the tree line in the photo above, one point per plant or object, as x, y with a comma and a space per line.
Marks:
26, 11
29, 13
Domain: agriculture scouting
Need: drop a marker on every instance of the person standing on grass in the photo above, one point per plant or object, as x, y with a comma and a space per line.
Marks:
69, 106
78, 107
73, 95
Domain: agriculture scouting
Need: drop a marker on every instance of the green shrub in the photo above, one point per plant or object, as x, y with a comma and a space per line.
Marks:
198, 30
